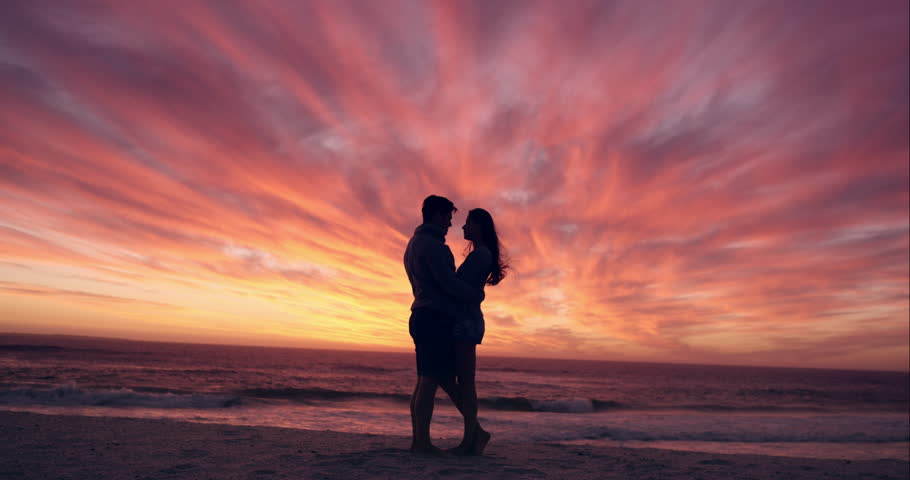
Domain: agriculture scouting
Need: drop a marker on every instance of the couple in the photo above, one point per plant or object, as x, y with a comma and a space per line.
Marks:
446, 321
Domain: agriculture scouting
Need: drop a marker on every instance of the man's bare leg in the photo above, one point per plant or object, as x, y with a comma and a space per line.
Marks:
424, 398
414, 416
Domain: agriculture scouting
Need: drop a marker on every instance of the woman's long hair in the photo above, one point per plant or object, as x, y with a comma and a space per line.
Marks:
491, 240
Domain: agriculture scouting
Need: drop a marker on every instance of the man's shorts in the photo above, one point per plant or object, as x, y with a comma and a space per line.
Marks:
434, 343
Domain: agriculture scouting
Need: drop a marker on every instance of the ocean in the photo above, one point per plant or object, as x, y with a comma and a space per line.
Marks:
815, 413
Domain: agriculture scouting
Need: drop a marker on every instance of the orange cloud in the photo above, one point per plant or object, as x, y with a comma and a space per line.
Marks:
714, 184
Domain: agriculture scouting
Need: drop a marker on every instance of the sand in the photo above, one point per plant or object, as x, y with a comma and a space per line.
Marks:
45, 447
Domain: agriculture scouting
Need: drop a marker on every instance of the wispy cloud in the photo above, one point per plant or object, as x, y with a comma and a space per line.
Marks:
689, 182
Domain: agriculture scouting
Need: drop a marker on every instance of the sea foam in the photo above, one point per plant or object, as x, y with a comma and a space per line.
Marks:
71, 395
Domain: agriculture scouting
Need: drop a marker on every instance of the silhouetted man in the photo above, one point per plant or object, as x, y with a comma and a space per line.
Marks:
437, 293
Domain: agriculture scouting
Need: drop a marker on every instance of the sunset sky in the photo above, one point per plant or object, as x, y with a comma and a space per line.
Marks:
678, 181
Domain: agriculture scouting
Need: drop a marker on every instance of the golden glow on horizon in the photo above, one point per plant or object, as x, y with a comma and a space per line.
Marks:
671, 186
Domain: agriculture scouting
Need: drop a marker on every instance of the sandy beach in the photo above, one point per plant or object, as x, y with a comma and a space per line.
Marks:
73, 447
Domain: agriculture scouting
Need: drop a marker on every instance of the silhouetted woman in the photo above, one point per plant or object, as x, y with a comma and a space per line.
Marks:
483, 266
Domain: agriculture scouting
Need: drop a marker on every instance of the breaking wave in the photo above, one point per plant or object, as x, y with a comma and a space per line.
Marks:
71, 395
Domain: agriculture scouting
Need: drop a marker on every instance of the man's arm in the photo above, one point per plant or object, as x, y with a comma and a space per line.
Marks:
443, 271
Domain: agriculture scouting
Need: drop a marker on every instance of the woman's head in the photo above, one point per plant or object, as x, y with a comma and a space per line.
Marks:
479, 229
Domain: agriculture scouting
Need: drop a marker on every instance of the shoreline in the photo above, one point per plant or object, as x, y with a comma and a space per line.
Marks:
448, 425
42, 446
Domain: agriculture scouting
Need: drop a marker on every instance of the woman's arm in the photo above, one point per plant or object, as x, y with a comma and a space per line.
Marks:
476, 267
442, 269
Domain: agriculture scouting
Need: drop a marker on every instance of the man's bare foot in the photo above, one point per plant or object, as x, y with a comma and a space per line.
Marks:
428, 450
481, 439
462, 450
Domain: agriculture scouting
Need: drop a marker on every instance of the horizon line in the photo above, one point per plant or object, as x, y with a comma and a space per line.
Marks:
29, 334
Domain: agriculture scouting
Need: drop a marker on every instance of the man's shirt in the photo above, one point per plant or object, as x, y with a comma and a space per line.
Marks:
431, 271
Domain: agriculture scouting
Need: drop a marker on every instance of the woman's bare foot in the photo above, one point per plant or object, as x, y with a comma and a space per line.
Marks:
481, 439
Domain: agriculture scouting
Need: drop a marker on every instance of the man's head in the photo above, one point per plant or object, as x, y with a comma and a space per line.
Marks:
438, 211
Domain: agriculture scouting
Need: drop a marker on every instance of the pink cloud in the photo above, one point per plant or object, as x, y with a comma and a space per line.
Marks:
660, 174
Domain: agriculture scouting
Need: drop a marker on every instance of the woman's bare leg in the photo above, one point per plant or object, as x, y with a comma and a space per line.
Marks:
465, 367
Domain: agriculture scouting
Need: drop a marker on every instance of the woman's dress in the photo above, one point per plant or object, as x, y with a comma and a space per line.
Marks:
469, 326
